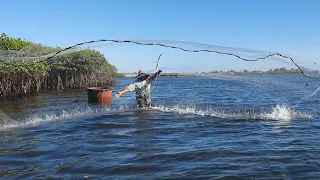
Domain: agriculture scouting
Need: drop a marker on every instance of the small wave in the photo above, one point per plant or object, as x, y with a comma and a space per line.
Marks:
280, 112
47, 117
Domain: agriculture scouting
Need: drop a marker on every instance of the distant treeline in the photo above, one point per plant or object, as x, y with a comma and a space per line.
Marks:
231, 72
270, 71
78, 69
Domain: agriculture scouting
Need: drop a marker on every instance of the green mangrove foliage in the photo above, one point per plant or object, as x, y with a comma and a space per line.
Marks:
24, 69
8, 43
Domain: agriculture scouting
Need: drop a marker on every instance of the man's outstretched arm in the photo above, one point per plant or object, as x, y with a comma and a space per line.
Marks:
130, 88
154, 76
126, 90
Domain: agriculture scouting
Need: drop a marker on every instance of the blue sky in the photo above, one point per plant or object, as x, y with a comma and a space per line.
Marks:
273, 25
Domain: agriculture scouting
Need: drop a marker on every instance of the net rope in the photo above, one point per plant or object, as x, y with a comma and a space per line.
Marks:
48, 58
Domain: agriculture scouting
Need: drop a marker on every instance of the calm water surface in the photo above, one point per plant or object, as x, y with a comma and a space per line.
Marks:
199, 128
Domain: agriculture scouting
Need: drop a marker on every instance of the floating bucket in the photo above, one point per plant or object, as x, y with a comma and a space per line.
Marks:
101, 95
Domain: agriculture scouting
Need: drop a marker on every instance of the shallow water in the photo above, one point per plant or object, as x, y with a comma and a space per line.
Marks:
244, 127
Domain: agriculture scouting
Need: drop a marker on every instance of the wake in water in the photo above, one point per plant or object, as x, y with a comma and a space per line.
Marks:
281, 113
39, 118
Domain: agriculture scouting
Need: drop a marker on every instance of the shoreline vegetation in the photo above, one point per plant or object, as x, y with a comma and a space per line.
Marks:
231, 72
74, 70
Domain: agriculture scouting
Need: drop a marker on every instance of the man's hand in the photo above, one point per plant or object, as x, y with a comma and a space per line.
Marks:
118, 94
122, 92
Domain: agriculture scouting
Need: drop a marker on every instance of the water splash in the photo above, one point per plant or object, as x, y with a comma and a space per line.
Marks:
280, 112
37, 119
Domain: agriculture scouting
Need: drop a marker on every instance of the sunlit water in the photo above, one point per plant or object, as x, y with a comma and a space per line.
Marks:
199, 127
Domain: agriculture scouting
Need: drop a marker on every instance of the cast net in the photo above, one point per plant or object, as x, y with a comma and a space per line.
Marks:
197, 78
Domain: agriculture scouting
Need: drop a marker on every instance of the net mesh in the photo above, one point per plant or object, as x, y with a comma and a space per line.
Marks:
31, 55
251, 67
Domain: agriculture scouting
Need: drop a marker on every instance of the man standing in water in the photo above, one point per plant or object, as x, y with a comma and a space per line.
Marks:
142, 86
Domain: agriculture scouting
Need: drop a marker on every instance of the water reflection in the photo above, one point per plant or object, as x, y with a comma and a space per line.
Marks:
144, 140
20, 106
144, 114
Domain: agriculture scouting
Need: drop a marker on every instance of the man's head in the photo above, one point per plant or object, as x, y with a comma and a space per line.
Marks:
141, 75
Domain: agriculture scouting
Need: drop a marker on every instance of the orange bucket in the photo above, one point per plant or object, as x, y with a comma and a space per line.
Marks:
101, 95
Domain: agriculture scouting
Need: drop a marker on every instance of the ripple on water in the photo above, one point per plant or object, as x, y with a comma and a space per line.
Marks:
217, 137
